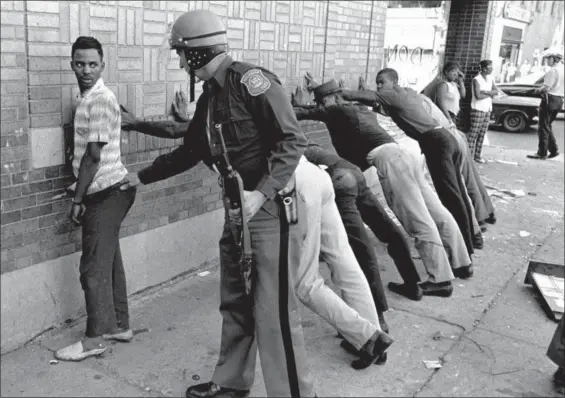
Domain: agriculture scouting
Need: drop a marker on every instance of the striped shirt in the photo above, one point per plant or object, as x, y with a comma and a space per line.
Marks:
98, 119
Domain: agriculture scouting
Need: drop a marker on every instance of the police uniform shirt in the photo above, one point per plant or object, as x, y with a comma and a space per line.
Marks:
262, 135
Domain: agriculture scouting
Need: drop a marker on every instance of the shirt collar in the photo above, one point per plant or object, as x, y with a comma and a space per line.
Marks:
97, 86
220, 74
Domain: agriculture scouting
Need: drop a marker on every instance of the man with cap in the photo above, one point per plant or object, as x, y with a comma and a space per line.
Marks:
244, 127
552, 92
443, 157
356, 134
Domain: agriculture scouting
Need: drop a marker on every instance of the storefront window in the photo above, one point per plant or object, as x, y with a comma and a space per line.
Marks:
415, 40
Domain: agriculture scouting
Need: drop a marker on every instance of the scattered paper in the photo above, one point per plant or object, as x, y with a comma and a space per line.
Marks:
524, 234
53, 362
204, 273
507, 162
515, 192
432, 364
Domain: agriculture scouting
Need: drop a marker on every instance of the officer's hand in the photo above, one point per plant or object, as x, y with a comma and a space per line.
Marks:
179, 107
128, 119
130, 181
290, 185
252, 202
311, 84
297, 98
76, 213
362, 84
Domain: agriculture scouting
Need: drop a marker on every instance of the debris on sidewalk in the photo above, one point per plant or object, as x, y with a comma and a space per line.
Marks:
53, 362
437, 336
548, 280
204, 273
432, 364
506, 162
524, 234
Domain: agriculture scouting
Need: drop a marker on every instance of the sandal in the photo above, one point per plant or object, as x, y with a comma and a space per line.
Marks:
76, 352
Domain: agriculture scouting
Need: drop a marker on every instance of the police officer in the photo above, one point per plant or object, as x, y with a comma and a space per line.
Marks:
552, 92
246, 107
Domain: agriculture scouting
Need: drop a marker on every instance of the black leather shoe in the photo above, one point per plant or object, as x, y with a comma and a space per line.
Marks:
442, 289
478, 242
463, 272
347, 346
553, 155
373, 349
491, 219
537, 156
213, 390
413, 292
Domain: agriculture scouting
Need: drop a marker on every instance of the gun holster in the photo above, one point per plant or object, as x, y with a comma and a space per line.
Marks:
288, 198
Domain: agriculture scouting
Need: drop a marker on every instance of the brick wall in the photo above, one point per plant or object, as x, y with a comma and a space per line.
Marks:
467, 42
329, 38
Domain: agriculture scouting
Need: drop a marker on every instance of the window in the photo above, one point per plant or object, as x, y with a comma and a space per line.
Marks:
414, 3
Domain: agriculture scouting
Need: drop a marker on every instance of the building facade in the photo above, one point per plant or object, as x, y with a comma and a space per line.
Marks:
174, 225
521, 31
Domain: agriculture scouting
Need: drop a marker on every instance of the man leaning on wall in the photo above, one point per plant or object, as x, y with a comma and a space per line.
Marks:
99, 205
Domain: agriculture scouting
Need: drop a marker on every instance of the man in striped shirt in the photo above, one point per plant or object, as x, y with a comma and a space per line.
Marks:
99, 206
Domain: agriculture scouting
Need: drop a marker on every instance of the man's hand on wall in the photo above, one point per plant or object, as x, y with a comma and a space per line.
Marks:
311, 84
128, 119
131, 180
362, 84
179, 108
298, 97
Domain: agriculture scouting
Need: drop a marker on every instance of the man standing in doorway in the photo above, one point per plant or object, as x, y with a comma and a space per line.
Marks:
552, 92
99, 205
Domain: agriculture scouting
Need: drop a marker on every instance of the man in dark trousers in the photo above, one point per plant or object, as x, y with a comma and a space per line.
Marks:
552, 92
358, 205
244, 109
443, 156
355, 133
98, 205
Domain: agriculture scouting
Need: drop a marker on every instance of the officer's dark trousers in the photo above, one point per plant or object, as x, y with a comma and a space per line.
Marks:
357, 204
443, 159
272, 314
101, 269
548, 110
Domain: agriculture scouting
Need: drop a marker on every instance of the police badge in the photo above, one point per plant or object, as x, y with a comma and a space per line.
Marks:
256, 82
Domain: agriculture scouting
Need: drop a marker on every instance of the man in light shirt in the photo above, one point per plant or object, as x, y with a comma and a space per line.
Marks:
98, 205
552, 91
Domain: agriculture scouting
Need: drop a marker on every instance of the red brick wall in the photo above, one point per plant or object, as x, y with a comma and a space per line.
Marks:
37, 87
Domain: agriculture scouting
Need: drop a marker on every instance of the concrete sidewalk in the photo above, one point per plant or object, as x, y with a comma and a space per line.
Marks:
491, 335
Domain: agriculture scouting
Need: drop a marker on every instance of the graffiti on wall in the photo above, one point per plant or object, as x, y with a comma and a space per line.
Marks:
416, 66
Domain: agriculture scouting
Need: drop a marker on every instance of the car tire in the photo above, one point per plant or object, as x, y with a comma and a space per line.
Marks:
514, 122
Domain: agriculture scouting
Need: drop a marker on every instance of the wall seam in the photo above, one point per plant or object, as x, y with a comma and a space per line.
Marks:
325, 40
369, 43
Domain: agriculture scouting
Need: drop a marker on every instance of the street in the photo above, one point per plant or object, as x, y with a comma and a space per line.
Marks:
490, 337
527, 139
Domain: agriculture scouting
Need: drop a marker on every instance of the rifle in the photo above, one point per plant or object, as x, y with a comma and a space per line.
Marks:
233, 190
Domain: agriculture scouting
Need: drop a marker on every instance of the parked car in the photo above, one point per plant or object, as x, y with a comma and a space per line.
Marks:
518, 109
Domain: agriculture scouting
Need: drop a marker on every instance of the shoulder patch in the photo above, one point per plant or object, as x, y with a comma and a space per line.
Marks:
256, 82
